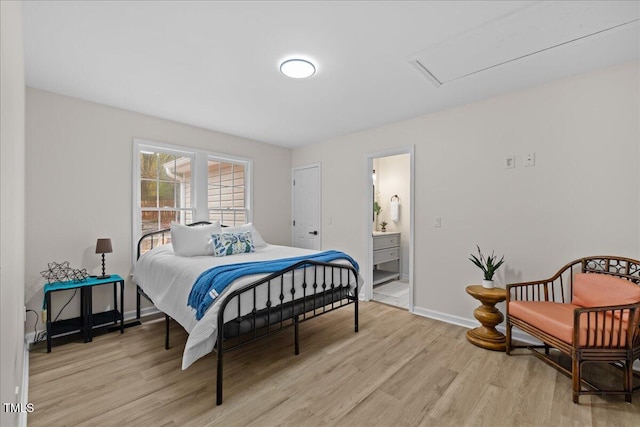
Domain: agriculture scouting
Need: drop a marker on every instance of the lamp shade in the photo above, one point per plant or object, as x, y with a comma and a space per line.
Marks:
103, 246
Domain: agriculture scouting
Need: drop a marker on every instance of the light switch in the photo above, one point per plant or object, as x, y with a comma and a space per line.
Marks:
510, 162
437, 221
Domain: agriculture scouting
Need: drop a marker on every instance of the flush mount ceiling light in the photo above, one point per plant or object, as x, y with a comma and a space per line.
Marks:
297, 68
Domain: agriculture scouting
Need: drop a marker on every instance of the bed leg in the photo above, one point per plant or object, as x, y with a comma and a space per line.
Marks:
296, 334
166, 331
137, 302
219, 378
355, 300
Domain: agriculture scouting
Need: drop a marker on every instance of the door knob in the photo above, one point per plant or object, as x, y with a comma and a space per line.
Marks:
315, 232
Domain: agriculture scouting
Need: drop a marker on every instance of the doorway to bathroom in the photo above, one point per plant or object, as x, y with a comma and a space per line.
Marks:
390, 272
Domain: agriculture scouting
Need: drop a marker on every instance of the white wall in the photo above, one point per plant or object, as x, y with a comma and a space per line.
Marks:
79, 184
579, 199
12, 208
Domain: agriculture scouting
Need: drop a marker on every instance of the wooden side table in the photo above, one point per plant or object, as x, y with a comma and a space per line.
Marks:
486, 336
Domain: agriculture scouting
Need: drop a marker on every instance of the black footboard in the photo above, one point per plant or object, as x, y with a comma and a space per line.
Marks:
246, 326
325, 287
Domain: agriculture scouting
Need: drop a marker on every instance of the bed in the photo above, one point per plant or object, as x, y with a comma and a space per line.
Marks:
251, 307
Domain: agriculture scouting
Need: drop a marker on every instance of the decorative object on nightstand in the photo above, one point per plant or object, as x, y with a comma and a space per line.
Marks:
103, 246
488, 266
57, 272
383, 225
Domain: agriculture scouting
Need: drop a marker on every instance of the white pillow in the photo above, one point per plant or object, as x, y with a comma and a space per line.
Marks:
193, 241
258, 241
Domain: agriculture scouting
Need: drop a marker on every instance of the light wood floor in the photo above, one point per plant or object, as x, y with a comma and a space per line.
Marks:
399, 370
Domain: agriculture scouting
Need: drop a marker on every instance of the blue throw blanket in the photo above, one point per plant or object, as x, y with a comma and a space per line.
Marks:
213, 281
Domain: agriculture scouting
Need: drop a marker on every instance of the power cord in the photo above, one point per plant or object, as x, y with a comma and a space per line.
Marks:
42, 335
64, 306
37, 336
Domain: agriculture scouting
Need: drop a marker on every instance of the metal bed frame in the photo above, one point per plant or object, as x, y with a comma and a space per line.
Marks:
317, 299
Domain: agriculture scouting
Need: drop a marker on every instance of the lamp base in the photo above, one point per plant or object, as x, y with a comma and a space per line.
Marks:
103, 276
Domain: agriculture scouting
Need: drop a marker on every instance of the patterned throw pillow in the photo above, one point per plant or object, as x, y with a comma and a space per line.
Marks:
232, 243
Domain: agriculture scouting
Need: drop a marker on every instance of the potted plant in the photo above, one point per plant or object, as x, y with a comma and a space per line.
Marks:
383, 225
488, 265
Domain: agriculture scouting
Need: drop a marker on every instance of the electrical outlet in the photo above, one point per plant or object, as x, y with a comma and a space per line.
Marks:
530, 159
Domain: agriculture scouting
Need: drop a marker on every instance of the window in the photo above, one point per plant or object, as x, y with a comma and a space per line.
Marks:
226, 192
165, 189
177, 184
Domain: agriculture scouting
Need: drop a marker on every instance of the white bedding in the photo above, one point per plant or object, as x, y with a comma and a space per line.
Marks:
167, 279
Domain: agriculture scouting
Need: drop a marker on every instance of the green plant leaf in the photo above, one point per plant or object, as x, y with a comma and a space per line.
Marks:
477, 262
488, 265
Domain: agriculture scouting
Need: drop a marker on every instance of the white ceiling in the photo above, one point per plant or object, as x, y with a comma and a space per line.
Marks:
215, 64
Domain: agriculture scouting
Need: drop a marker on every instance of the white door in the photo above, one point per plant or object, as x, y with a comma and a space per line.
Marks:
306, 207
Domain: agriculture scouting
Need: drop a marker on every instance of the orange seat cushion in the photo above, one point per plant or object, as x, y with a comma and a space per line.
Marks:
556, 319
599, 290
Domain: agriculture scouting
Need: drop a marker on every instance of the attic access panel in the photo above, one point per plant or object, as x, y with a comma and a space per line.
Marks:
533, 29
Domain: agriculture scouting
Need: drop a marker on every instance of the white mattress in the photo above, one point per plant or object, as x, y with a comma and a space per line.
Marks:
167, 279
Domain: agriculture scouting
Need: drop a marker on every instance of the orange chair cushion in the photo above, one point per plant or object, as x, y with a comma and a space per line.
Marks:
551, 317
599, 290
556, 319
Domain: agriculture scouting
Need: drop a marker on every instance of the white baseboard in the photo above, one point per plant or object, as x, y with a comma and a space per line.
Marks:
470, 323
144, 312
445, 317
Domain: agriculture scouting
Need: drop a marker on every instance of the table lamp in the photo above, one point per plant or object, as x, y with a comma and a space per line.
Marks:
103, 246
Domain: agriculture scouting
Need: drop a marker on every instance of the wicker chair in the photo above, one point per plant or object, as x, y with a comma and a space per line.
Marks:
586, 334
